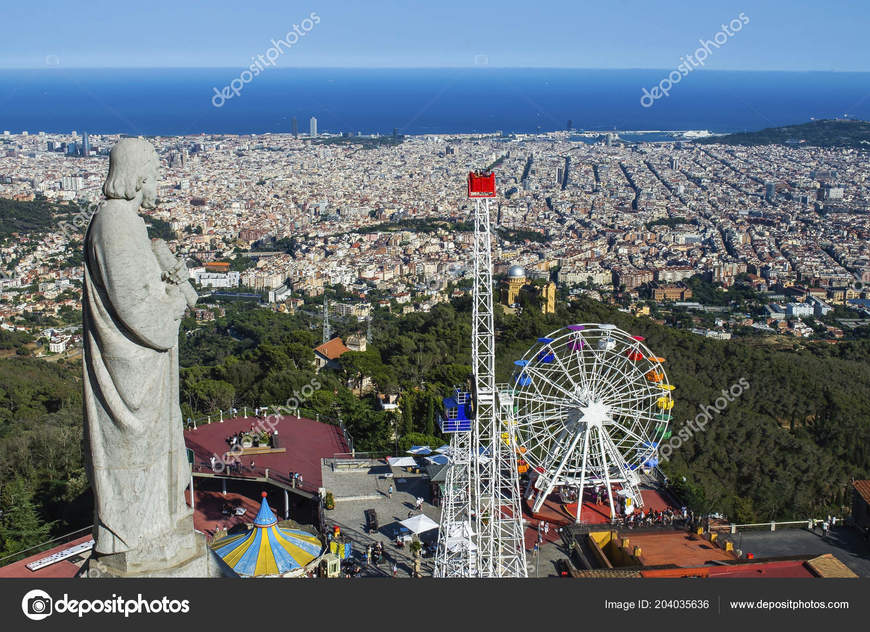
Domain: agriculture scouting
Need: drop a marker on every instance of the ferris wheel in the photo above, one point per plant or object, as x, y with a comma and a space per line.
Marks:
591, 405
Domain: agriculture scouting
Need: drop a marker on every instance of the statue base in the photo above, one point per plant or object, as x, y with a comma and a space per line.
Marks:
182, 553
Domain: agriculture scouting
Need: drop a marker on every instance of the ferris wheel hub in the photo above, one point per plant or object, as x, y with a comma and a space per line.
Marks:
595, 413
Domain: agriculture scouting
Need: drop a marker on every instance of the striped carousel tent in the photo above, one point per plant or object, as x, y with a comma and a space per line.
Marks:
268, 549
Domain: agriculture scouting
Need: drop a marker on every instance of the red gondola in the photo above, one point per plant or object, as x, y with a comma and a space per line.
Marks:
481, 185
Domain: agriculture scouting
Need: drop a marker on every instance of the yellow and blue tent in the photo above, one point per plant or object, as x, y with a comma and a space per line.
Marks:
268, 549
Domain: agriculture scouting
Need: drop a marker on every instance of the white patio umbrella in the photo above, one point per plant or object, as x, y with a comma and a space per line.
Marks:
402, 461
419, 523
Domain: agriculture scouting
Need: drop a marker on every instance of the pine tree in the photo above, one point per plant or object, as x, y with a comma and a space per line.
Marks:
20, 524
430, 416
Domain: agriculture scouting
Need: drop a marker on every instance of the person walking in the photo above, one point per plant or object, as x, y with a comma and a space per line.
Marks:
390, 492
395, 570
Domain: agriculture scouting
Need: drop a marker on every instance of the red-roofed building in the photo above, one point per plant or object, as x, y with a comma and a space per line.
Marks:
329, 352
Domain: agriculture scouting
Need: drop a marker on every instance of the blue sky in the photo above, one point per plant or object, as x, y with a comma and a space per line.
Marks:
781, 35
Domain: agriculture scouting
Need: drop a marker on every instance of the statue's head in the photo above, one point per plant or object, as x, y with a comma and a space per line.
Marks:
133, 165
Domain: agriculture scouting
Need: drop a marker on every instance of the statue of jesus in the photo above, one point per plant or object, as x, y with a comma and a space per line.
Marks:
132, 307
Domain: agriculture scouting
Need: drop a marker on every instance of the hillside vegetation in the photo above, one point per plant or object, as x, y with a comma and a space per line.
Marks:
823, 133
786, 448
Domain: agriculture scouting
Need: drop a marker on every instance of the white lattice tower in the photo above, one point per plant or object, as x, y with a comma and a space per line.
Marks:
456, 555
498, 515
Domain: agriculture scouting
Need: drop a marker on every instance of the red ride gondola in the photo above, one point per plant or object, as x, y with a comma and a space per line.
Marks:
481, 185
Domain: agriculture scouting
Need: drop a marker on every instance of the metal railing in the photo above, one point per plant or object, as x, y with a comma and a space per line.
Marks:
44, 546
256, 473
247, 412
773, 525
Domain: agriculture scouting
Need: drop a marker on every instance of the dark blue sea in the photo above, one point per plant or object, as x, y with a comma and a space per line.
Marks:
483, 99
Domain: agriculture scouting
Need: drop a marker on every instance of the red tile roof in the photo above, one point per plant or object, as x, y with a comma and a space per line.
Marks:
332, 349
863, 488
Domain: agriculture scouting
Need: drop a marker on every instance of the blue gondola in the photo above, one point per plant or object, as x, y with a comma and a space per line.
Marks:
458, 413
523, 380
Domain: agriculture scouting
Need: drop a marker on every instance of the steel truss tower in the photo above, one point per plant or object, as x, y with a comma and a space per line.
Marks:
457, 552
494, 543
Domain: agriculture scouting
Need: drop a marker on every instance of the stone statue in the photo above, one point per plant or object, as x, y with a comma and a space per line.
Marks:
135, 294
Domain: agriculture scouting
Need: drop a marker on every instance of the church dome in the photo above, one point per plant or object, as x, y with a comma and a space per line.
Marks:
516, 272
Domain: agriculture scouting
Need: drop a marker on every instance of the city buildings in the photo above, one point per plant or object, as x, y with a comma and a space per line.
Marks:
295, 215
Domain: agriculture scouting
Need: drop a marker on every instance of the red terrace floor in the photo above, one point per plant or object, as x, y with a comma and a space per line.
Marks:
676, 547
530, 535
556, 512
208, 516
306, 442
59, 569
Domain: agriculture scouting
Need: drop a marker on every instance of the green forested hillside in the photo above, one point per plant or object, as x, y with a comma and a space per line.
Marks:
42, 480
786, 448
822, 133
26, 217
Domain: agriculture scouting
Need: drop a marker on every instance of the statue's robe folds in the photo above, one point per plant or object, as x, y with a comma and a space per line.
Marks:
134, 443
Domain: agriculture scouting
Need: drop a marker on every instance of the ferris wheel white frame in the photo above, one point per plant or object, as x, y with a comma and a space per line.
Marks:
592, 403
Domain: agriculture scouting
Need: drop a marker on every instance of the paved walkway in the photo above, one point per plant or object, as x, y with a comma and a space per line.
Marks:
845, 543
355, 491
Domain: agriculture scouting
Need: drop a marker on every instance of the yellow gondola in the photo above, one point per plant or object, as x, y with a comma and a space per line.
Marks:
665, 403
667, 387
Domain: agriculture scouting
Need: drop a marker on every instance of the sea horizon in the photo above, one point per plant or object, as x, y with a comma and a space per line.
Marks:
175, 101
